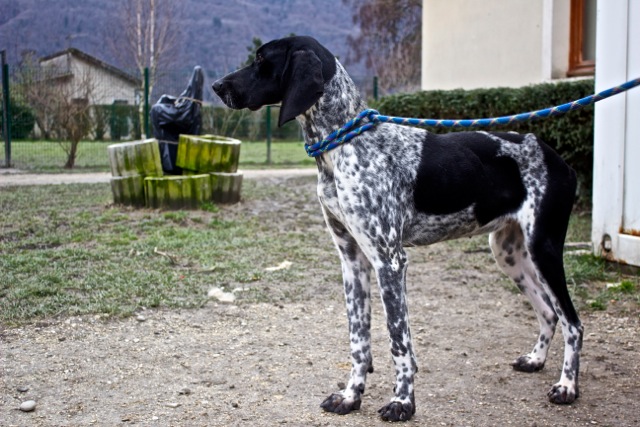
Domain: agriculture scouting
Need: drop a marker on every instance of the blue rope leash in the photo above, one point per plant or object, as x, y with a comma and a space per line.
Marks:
345, 133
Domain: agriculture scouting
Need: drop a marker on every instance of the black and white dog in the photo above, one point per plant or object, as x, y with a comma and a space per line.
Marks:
397, 186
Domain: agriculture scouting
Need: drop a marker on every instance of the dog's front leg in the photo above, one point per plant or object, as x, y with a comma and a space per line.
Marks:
356, 274
391, 268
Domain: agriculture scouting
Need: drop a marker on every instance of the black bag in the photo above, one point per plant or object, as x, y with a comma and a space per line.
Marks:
172, 116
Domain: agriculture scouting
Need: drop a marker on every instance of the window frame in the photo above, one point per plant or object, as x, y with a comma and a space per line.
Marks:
578, 66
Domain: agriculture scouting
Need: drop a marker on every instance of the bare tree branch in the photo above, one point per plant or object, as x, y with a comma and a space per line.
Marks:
146, 36
389, 41
61, 99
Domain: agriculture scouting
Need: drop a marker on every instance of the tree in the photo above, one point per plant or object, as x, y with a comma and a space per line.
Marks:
256, 42
146, 36
389, 41
61, 101
36, 94
73, 119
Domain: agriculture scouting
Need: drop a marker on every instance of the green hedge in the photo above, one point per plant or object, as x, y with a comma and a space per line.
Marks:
22, 119
247, 125
571, 135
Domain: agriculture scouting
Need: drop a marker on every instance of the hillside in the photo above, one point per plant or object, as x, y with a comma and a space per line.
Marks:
213, 34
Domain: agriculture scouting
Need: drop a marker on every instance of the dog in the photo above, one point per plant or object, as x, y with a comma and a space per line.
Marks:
396, 186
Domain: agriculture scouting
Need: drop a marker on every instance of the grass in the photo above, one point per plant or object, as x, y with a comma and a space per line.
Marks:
48, 156
595, 283
65, 250
283, 154
579, 227
615, 293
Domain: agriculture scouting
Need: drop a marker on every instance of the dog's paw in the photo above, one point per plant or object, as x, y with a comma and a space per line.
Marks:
527, 364
340, 405
397, 411
562, 394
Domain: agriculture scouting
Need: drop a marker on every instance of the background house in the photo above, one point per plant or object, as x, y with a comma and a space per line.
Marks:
110, 85
494, 43
74, 89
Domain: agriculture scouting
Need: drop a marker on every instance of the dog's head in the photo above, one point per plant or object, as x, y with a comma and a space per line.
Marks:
291, 71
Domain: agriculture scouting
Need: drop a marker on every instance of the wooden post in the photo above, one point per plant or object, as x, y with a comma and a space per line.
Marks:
268, 134
375, 87
6, 112
146, 103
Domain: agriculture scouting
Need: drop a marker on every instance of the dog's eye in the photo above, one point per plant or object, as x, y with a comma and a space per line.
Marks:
259, 58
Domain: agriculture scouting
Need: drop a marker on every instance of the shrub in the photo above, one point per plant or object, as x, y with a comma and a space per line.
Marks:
100, 115
22, 119
571, 135
119, 120
246, 125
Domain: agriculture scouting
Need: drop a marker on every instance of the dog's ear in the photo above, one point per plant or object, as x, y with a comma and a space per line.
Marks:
303, 83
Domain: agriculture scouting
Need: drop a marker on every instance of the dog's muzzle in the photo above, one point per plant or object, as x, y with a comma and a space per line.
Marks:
221, 88
217, 86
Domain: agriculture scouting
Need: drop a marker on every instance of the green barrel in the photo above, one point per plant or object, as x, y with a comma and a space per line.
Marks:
128, 190
208, 153
178, 192
131, 163
226, 187
135, 158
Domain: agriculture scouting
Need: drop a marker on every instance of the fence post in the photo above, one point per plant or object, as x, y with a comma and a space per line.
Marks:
375, 87
268, 134
146, 102
6, 111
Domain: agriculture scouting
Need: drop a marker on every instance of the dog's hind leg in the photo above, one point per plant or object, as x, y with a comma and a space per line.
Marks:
512, 256
546, 251
536, 265
543, 219
356, 274
545, 240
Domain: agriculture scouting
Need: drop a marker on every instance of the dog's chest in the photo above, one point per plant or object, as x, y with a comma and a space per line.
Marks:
328, 193
327, 196
367, 197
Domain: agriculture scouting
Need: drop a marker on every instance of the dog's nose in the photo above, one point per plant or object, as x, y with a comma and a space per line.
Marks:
217, 85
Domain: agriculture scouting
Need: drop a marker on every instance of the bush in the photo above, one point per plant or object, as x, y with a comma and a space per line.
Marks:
22, 120
119, 120
247, 125
571, 135
100, 115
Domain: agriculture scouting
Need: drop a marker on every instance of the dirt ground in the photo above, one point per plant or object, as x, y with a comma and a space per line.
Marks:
262, 364
12, 177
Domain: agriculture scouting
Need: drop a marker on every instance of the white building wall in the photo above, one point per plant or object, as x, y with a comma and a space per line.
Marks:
615, 230
106, 86
560, 35
471, 44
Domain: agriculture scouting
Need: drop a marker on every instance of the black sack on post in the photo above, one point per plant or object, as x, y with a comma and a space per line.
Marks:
172, 116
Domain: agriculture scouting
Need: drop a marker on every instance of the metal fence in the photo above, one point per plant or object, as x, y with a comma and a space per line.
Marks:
50, 109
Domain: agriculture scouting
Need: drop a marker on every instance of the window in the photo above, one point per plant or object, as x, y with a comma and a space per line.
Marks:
582, 43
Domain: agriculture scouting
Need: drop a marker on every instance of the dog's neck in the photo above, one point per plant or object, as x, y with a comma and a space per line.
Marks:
340, 103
